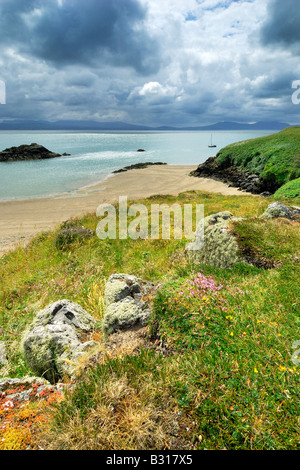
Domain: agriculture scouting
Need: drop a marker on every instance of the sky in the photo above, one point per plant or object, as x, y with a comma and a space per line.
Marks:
150, 62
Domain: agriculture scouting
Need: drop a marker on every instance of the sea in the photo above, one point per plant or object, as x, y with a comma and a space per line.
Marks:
95, 155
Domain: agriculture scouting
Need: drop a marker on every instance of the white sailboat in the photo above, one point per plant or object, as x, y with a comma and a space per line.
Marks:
211, 144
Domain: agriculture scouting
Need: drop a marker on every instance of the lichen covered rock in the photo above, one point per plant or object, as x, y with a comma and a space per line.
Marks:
214, 244
126, 302
54, 342
278, 209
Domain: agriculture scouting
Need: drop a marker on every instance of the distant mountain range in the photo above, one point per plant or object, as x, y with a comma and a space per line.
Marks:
120, 126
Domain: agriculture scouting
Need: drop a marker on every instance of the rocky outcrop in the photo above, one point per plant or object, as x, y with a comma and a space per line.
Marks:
14, 391
278, 209
214, 244
56, 340
137, 166
233, 176
27, 152
126, 302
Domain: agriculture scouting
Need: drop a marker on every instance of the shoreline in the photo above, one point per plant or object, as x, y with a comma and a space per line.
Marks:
71, 193
23, 219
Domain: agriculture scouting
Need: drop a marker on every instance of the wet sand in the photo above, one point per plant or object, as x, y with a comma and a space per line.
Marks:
21, 220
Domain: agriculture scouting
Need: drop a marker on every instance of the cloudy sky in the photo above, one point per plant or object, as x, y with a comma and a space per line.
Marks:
151, 62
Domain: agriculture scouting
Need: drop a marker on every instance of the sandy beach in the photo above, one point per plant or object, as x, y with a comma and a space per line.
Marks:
21, 220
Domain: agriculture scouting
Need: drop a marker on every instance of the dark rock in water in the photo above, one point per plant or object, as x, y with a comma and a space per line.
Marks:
27, 152
138, 166
232, 176
140, 150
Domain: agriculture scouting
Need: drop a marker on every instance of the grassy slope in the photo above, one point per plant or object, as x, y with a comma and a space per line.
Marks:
275, 158
289, 190
230, 382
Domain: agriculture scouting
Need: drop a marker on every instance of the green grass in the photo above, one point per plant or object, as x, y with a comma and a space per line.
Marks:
228, 380
274, 158
289, 190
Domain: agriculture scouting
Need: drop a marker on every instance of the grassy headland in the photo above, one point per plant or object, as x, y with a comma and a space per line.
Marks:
274, 158
228, 380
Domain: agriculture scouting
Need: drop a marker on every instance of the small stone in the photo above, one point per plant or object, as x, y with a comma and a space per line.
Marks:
277, 209
2, 353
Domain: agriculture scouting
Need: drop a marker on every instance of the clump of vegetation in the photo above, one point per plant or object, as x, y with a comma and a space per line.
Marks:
21, 421
71, 232
274, 158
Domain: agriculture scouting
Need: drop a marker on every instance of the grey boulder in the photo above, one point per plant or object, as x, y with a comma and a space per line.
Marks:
126, 302
54, 342
278, 209
214, 244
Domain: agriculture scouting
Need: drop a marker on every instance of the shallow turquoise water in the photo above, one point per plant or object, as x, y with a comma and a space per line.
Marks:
94, 155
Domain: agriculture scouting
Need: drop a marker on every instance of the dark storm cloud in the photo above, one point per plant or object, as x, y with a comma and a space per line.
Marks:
90, 32
141, 61
277, 86
283, 24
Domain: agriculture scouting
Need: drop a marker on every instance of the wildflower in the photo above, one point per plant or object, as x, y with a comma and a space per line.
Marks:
282, 368
231, 334
229, 317
255, 370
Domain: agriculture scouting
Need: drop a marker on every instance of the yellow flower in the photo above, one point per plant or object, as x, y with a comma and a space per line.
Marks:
255, 370
282, 368
231, 334
229, 317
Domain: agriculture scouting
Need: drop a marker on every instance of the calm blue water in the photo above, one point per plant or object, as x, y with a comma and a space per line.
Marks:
94, 155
